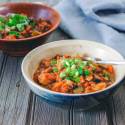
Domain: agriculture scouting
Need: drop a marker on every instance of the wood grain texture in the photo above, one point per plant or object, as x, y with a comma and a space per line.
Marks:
14, 94
50, 114
19, 106
96, 116
87, 114
117, 103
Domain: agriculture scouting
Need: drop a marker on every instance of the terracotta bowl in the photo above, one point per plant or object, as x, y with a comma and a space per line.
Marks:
20, 47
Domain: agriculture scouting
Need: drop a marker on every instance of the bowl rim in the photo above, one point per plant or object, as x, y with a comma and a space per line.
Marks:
34, 84
38, 36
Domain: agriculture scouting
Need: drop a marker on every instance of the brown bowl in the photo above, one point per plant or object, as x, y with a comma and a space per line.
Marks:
20, 47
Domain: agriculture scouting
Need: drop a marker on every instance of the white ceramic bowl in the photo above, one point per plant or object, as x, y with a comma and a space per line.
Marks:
71, 47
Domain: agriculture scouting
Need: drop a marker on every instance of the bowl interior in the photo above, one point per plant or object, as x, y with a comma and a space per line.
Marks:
71, 47
33, 10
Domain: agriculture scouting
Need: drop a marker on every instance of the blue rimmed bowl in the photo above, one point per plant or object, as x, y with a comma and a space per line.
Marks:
71, 47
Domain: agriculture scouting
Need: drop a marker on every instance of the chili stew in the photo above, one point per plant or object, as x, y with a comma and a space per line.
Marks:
73, 75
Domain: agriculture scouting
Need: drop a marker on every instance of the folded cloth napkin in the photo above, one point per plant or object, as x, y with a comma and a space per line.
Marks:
97, 20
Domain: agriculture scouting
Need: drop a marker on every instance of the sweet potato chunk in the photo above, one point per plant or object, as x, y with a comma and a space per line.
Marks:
100, 86
60, 87
46, 78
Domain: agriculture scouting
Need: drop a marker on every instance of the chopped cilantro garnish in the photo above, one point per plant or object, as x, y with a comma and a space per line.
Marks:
53, 62
55, 69
86, 72
17, 34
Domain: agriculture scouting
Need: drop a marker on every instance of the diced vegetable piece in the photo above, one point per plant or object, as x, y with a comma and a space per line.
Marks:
89, 77
94, 68
62, 75
86, 72
68, 70
72, 72
89, 62
35, 33
12, 28
2, 27
67, 78
48, 70
76, 79
66, 63
73, 66
80, 70
106, 75
76, 73
56, 87
77, 60
10, 37
82, 80
32, 23
0, 36
11, 23
64, 88
20, 27
55, 69
83, 64
46, 78
53, 62
2, 19
17, 34
100, 86
70, 83
72, 62
78, 90
110, 69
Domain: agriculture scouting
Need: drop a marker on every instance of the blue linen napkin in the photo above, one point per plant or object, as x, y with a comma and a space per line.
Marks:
97, 20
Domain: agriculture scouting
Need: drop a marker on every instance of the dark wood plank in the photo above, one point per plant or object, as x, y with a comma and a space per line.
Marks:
92, 116
14, 94
49, 114
110, 112
2, 62
117, 106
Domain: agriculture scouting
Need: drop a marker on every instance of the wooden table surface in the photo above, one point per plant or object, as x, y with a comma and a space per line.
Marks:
19, 106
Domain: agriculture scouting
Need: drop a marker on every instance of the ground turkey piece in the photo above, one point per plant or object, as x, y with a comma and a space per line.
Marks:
60, 87
46, 78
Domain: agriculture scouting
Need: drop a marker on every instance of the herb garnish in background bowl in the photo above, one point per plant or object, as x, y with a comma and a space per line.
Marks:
17, 26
